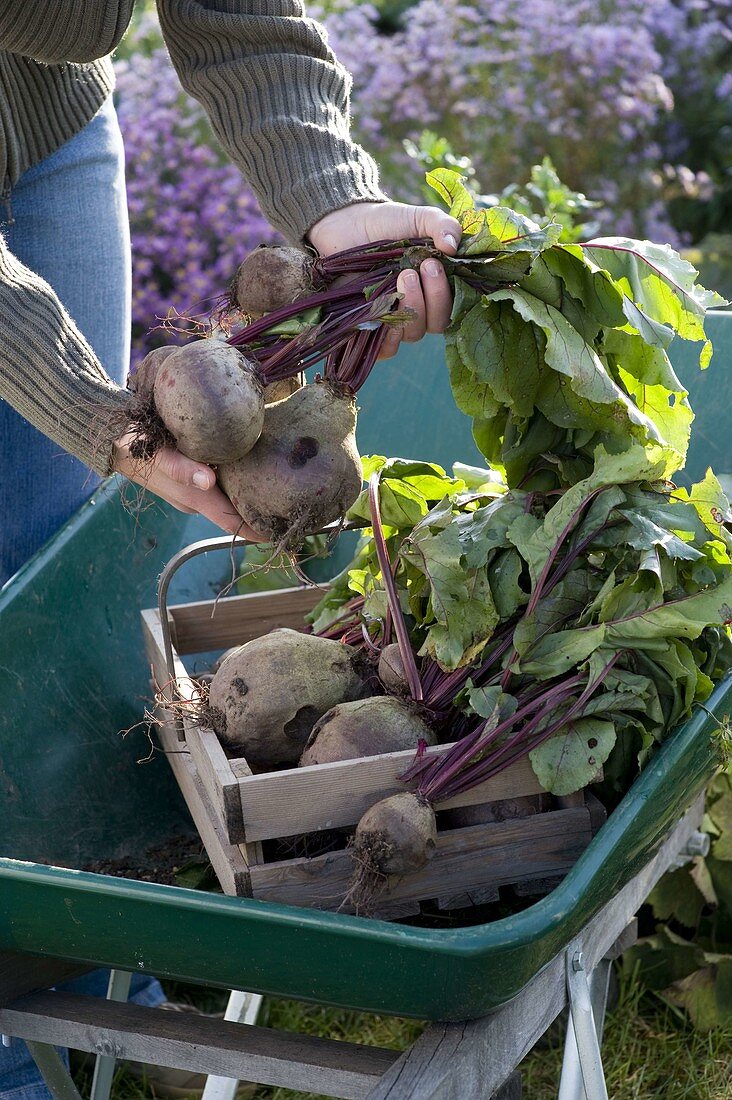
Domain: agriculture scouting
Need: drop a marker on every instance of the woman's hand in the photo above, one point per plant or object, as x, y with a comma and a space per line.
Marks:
427, 294
189, 486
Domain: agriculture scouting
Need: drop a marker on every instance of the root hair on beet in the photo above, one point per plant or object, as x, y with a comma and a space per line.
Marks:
367, 882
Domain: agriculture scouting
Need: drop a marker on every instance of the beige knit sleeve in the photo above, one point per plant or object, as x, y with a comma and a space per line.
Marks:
52, 31
49, 373
278, 101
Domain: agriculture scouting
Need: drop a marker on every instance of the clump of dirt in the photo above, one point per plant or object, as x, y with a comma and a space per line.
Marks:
159, 864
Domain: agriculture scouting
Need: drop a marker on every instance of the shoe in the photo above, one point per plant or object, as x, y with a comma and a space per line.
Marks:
180, 1083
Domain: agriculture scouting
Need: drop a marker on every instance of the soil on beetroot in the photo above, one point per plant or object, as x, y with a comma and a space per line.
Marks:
159, 864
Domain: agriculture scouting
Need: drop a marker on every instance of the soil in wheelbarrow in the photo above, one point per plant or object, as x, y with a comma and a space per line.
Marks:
179, 861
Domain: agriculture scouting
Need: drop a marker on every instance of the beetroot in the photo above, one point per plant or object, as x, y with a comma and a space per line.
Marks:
142, 379
210, 400
396, 836
278, 391
392, 673
268, 694
365, 727
270, 277
304, 472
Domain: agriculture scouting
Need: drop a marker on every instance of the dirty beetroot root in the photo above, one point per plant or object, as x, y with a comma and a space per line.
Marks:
267, 694
270, 277
392, 672
365, 727
204, 398
211, 401
304, 472
142, 377
278, 391
396, 836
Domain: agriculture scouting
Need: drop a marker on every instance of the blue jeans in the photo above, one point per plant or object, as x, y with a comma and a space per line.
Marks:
67, 220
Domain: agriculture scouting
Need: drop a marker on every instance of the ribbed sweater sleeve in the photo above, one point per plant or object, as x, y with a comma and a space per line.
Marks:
64, 30
278, 101
49, 373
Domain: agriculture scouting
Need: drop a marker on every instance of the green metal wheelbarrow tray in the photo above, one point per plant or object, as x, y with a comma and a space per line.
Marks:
432, 974
73, 674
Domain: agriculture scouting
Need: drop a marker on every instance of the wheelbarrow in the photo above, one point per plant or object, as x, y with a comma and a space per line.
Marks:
73, 675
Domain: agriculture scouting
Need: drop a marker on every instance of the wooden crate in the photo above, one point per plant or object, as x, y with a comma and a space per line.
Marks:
240, 815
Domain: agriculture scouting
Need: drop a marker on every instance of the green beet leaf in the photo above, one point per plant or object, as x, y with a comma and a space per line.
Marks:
657, 281
572, 758
570, 355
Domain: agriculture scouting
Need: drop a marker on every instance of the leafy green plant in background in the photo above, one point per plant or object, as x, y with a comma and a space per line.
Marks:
543, 196
687, 959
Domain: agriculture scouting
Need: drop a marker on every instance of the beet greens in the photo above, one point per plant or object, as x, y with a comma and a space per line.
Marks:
570, 602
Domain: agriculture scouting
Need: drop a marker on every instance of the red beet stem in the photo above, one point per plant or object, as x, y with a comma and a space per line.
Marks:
382, 553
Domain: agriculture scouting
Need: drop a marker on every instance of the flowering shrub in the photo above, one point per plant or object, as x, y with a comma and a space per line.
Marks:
589, 83
192, 218
697, 136
510, 81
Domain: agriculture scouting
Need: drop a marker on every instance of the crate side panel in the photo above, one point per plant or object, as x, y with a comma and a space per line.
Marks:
477, 856
207, 625
328, 796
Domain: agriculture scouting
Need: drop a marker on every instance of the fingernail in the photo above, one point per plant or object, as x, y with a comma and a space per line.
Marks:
432, 268
201, 480
410, 278
450, 239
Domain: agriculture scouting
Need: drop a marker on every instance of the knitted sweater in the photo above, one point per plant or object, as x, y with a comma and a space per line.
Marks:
278, 101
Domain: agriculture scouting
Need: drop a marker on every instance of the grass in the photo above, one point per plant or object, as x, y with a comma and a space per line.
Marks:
649, 1050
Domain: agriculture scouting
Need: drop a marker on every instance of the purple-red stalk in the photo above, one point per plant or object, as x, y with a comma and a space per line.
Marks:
447, 781
400, 627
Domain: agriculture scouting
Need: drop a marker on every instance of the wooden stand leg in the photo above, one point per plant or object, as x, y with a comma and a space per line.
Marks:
105, 1065
511, 1089
53, 1071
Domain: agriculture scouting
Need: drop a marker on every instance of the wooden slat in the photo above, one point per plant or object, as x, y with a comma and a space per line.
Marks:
239, 618
227, 859
481, 855
217, 777
327, 796
469, 1061
198, 1043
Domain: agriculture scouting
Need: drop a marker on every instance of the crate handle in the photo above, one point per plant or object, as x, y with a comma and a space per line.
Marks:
222, 542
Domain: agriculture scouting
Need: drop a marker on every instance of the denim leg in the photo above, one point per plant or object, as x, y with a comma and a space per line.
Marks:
144, 990
68, 222
19, 1076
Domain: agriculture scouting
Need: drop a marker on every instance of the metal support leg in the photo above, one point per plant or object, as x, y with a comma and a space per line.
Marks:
104, 1067
53, 1071
243, 1008
582, 1073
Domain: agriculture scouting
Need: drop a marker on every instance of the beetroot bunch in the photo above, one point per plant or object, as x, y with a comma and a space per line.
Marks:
286, 453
